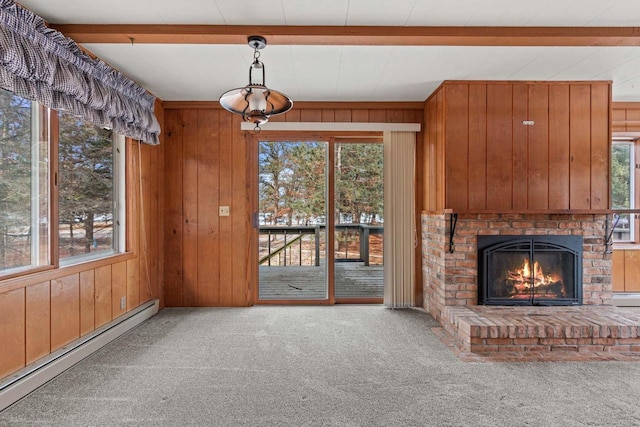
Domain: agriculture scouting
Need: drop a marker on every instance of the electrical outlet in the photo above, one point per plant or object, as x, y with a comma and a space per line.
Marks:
224, 210
123, 303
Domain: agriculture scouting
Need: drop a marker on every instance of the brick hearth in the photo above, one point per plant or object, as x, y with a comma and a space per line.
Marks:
450, 289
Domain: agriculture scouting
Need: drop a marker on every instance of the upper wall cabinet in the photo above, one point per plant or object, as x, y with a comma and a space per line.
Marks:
517, 146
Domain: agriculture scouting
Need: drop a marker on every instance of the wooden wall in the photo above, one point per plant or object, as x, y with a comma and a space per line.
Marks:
626, 117
210, 162
484, 158
42, 312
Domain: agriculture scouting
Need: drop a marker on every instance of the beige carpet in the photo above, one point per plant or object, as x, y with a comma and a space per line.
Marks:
319, 366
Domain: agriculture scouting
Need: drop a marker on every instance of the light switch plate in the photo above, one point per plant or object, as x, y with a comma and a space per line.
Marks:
224, 211
123, 303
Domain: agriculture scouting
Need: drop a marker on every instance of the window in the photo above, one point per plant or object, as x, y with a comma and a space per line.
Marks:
622, 189
89, 184
90, 195
24, 184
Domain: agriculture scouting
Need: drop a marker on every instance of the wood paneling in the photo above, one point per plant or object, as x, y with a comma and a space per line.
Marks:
38, 320
103, 306
210, 260
632, 271
499, 147
626, 270
208, 267
173, 208
600, 146
558, 146
65, 310
617, 259
477, 147
518, 146
118, 288
579, 146
87, 301
190, 207
133, 283
12, 331
538, 148
626, 117
457, 144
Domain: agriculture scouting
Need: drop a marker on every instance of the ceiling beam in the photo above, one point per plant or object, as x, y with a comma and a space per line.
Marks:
356, 35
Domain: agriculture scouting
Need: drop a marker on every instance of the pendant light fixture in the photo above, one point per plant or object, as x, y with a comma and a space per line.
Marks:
256, 102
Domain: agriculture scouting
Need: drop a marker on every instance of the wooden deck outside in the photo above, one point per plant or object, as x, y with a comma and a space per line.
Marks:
353, 280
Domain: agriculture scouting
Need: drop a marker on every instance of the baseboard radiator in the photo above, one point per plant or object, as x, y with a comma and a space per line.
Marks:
26, 380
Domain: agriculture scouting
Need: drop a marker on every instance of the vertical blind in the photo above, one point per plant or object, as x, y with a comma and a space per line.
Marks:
41, 64
399, 219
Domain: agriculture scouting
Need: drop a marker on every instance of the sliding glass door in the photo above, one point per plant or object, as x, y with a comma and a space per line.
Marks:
358, 221
292, 221
306, 254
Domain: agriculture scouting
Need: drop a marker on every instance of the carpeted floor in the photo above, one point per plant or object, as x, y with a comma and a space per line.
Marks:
319, 366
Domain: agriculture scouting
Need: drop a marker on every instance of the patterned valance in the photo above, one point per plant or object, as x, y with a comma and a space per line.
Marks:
41, 64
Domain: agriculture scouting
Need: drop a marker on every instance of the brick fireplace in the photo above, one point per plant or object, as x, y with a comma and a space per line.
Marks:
450, 290
451, 279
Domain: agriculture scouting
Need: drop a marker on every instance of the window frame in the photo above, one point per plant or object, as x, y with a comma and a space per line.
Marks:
121, 199
118, 209
634, 184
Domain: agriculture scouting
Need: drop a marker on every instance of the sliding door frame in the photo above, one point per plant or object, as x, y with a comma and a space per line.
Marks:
331, 138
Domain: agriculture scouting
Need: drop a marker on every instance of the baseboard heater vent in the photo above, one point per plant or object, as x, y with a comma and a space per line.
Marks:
26, 380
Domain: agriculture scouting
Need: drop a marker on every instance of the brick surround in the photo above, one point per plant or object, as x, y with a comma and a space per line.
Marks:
450, 289
451, 279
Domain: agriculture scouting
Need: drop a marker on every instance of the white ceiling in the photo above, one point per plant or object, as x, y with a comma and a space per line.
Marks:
355, 73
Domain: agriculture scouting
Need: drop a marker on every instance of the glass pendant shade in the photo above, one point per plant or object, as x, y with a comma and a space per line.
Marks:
256, 102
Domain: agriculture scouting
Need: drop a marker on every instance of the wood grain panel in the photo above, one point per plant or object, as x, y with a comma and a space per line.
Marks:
342, 115
65, 310
118, 288
377, 116
292, 116
457, 146
38, 321
600, 147
619, 115
580, 146
395, 116
103, 306
617, 269
328, 115
633, 116
360, 116
208, 220
87, 301
440, 151
559, 156
225, 183
241, 217
520, 159
311, 115
173, 210
133, 284
631, 271
190, 207
538, 148
12, 331
477, 146
499, 148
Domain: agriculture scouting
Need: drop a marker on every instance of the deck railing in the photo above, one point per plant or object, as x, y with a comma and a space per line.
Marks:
292, 240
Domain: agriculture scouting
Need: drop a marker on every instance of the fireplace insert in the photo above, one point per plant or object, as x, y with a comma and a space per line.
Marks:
530, 270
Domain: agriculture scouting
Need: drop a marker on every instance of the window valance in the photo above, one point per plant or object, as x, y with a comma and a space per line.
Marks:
41, 64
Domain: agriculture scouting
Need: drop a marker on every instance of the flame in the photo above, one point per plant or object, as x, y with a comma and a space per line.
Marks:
521, 277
